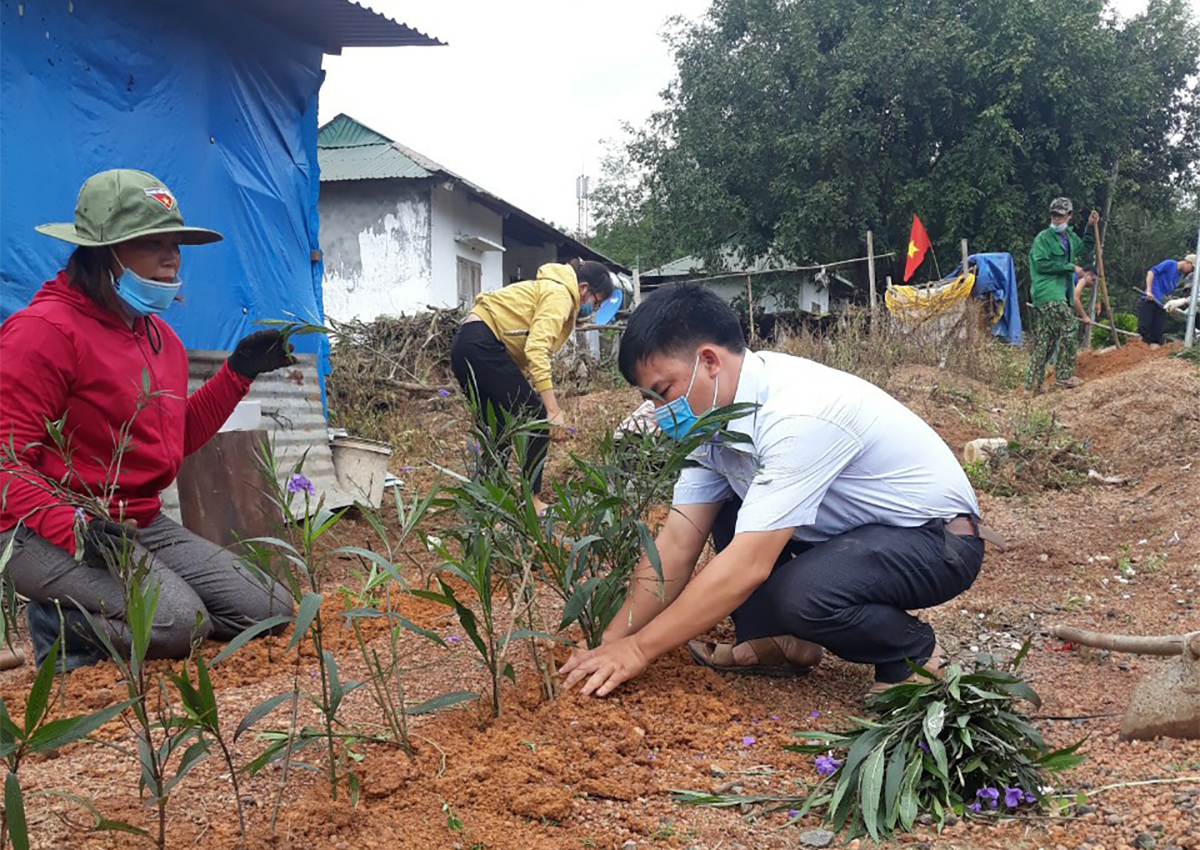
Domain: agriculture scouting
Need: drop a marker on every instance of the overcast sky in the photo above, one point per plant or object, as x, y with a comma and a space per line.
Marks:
524, 93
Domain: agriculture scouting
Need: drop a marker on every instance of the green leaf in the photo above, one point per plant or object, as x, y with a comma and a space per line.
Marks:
861, 749
248, 635
375, 558
305, 613
1062, 759
39, 694
14, 813
191, 757
208, 698
509, 673
99, 822
259, 712
908, 794
1021, 653
650, 548
578, 601
870, 787
440, 702
938, 750
59, 733
935, 719
896, 767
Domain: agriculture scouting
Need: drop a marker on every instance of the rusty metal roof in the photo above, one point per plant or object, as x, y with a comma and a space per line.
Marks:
335, 24
291, 412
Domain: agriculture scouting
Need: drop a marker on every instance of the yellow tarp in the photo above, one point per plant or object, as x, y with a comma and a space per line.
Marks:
919, 304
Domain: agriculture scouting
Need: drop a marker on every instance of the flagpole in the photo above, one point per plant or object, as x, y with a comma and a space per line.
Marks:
936, 267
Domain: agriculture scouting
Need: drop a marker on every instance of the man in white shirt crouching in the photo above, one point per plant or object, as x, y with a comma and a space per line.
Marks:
844, 512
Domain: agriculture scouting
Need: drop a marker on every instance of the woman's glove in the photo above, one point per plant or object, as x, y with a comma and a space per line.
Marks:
261, 351
103, 542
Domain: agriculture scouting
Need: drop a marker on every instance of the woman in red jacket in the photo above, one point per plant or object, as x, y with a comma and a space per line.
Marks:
83, 354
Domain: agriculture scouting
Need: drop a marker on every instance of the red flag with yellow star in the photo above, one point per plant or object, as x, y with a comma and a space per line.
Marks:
918, 244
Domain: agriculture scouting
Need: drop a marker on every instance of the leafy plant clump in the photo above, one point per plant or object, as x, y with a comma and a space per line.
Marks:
1041, 455
954, 746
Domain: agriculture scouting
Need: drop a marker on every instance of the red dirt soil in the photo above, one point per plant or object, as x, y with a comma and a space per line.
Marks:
576, 772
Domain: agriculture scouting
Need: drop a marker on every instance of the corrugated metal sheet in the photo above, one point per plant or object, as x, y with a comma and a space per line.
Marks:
291, 411
344, 132
367, 162
335, 24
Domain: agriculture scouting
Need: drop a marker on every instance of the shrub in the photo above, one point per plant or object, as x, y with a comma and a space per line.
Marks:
1102, 336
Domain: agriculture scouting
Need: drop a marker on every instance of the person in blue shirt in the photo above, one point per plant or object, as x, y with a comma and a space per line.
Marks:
1161, 281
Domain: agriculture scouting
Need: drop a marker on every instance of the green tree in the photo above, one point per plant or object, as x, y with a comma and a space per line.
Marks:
799, 124
631, 226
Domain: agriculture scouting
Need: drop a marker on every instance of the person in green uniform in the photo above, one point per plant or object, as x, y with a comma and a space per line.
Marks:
1057, 255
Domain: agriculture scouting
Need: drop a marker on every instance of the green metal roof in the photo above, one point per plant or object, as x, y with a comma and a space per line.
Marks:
348, 150
344, 132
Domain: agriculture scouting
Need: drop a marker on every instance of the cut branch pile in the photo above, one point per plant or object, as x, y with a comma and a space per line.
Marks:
379, 364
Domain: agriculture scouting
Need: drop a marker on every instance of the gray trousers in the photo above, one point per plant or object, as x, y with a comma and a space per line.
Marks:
204, 590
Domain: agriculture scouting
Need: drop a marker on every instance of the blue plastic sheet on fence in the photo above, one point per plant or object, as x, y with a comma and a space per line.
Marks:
220, 105
996, 276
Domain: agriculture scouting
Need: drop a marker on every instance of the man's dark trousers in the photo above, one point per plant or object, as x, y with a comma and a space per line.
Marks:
852, 594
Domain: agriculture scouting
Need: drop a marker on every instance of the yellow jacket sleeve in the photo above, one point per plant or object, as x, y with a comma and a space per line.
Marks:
551, 314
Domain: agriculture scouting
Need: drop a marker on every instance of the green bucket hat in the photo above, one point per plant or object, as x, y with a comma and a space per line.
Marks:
122, 204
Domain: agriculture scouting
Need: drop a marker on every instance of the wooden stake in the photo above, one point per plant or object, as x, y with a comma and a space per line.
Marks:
870, 272
1112, 323
750, 307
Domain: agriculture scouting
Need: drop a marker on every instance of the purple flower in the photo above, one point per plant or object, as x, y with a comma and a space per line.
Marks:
924, 748
1012, 797
991, 795
815, 715
453, 640
80, 517
1029, 798
297, 483
827, 765
649, 755
444, 393
975, 807
748, 741
793, 814
775, 717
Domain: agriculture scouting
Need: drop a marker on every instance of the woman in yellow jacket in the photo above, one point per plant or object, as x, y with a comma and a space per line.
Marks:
505, 344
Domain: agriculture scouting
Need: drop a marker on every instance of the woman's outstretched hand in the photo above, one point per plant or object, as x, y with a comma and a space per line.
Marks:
261, 351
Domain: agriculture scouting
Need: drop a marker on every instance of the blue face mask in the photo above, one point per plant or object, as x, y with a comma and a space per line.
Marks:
1059, 228
144, 297
676, 418
586, 309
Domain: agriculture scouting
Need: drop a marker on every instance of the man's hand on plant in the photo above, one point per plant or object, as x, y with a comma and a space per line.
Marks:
602, 669
1094, 217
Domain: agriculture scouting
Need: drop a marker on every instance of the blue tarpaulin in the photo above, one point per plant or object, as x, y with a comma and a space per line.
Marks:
220, 105
996, 276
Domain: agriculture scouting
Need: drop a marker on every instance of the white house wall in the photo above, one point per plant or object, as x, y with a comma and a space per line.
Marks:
455, 214
376, 244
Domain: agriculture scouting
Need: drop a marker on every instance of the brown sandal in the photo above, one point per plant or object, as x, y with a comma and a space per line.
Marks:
771, 660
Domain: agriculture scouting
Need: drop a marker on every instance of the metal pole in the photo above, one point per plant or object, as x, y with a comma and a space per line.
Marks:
1189, 338
965, 254
637, 286
871, 270
750, 308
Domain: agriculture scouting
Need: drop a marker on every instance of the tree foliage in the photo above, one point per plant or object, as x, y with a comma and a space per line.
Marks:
799, 124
